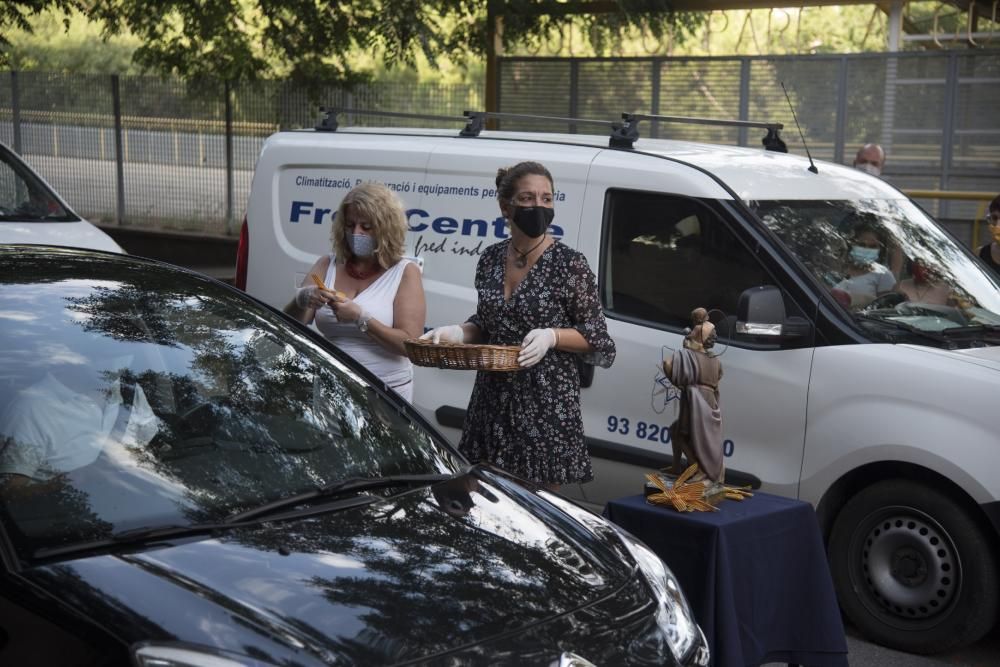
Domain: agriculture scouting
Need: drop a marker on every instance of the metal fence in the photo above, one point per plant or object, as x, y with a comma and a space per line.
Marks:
162, 153
937, 114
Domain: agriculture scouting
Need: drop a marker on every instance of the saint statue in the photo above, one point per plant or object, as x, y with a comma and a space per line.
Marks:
697, 432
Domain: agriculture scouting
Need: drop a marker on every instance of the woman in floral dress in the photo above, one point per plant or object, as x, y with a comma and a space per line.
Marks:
541, 295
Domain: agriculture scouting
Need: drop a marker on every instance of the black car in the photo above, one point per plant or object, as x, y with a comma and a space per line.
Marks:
189, 478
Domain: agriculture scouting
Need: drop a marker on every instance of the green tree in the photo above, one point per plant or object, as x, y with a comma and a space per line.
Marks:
314, 41
68, 42
17, 13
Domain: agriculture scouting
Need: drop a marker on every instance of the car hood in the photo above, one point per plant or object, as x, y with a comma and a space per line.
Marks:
80, 234
401, 579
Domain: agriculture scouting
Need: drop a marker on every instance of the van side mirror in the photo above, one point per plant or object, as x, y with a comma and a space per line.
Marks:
761, 312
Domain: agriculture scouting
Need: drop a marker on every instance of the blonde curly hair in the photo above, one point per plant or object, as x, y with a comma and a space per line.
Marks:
384, 211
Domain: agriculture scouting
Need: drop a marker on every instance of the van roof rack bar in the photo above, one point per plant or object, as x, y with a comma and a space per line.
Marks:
772, 140
703, 121
559, 119
328, 120
621, 136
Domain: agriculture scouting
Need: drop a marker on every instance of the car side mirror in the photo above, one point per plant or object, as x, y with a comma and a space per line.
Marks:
760, 311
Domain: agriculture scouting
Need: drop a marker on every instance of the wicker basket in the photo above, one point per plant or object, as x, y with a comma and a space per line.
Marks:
463, 357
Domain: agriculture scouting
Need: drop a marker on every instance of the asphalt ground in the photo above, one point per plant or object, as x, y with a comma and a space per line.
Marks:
863, 653
984, 653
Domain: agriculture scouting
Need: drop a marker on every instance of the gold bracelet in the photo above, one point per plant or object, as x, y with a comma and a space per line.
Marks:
556, 332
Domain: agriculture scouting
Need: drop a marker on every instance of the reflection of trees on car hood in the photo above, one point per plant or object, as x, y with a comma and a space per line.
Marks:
248, 409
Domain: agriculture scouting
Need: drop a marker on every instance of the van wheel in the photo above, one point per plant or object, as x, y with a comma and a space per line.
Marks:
912, 569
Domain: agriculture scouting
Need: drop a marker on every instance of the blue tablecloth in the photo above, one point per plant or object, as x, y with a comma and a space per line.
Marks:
755, 574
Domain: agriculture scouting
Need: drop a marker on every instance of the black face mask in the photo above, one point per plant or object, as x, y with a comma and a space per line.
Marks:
533, 220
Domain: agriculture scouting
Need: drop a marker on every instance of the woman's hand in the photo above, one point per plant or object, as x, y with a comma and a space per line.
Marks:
450, 333
345, 309
535, 345
311, 297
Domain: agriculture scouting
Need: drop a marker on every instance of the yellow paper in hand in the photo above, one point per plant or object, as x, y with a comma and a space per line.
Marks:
320, 284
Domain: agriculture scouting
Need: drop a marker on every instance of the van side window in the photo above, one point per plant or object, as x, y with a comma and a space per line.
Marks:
665, 255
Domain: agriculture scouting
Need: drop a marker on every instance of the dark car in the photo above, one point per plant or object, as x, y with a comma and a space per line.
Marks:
189, 478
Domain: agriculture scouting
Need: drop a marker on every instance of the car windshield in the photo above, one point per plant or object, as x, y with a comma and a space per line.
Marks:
25, 198
133, 395
887, 261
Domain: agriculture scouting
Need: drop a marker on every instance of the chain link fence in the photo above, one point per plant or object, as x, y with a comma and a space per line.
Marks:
937, 114
166, 154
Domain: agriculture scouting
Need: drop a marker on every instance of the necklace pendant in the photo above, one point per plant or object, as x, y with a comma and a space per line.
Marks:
520, 262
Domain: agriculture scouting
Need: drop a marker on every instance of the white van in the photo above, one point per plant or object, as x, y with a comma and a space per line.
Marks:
881, 412
31, 212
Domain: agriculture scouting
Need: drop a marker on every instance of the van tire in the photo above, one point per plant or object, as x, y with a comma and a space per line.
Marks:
935, 584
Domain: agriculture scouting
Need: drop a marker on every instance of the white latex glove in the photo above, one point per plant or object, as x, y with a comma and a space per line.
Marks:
450, 333
535, 345
347, 310
304, 297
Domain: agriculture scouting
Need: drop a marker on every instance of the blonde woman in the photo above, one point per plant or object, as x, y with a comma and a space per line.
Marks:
374, 298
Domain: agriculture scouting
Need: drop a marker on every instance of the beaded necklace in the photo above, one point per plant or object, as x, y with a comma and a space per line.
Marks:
356, 272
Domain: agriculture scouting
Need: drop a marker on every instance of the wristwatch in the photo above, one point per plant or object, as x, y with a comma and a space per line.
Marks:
363, 322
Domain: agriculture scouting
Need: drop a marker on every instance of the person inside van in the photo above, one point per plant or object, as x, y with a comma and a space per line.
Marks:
865, 278
925, 286
990, 253
541, 295
372, 297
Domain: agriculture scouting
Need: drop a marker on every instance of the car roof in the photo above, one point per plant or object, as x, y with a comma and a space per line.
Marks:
750, 173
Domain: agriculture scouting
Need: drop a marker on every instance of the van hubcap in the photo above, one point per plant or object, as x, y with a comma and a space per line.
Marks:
909, 564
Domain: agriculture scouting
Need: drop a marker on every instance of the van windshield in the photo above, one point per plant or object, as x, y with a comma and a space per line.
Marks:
887, 261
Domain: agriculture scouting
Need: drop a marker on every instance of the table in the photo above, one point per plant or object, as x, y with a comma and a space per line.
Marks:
755, 574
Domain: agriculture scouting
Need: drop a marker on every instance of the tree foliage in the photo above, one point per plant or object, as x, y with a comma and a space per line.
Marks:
16, 13
67, 43
315, 41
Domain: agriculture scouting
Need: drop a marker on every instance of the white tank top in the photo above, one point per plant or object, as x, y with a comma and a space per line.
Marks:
393, 369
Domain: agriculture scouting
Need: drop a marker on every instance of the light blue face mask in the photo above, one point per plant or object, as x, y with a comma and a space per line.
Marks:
361, 245
863, 255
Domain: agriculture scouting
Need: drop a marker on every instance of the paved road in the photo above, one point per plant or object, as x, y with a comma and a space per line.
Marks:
861, 653
183, 197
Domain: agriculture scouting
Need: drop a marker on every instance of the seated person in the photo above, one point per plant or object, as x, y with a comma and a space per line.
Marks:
865, 278
59, 425
925, 286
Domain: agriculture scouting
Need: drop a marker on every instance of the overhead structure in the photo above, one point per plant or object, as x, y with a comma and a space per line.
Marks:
980, 25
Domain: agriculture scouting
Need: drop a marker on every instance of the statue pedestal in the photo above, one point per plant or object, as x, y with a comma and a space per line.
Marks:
754, 573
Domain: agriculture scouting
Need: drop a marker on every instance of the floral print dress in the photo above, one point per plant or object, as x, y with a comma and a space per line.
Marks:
529, 422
